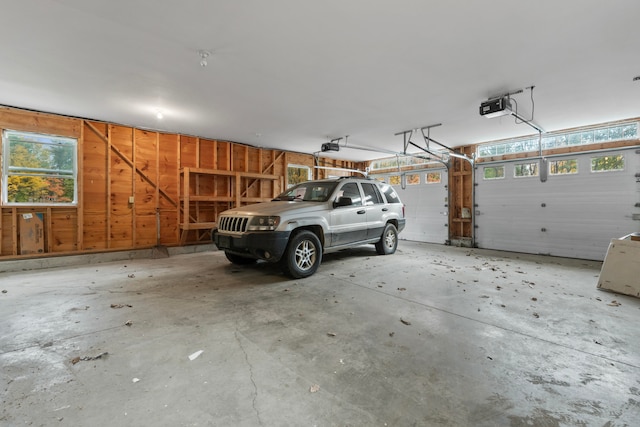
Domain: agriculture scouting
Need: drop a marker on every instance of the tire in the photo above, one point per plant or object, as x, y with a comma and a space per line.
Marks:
239, 260
389, 240
303, 255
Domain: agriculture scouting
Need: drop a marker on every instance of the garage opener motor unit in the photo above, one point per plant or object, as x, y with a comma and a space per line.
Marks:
330, 146
495, 107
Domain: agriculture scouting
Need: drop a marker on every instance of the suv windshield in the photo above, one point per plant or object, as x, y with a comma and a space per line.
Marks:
309, 192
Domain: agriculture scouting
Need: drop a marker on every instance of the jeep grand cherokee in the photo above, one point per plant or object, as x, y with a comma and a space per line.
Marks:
306, 220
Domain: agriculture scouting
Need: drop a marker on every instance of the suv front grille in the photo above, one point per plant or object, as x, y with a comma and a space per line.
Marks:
233, 224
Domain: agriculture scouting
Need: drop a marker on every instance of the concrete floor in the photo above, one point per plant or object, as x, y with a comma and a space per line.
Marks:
432, 335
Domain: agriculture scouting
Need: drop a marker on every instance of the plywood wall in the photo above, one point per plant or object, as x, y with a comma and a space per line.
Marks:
131, 180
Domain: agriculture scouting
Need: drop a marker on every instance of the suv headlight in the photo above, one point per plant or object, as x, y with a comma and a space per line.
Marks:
264, 223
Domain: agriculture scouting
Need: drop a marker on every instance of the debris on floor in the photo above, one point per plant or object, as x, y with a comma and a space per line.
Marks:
405, 322
135, 380
87, 358
314, 388
195, 355
614, 303
128, 323
119, 305
331, 334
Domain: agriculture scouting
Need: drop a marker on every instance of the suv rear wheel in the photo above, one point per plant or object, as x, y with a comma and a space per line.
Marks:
389, 240
303, 255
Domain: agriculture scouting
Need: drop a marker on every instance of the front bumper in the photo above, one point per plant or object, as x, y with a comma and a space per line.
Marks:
266, 245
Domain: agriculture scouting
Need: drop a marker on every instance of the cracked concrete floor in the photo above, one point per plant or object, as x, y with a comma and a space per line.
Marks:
432, 335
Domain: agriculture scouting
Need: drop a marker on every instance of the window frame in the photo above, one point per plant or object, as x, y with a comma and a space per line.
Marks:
537, 165
552, 162
426, 177
413, 179
9, 171
369, 195
588, 136
591, 159
484, 175
295, 166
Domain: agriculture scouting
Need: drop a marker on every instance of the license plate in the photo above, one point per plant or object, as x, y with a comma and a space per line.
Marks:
224, 241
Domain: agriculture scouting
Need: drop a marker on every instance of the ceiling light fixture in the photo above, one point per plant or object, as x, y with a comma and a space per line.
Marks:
204, 54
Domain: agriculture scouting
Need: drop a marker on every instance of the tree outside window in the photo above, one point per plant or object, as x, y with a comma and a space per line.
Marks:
297, 174
607, 163
493, 172
38, 169
563, 167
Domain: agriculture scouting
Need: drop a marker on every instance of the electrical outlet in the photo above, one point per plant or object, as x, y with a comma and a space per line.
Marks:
131, 199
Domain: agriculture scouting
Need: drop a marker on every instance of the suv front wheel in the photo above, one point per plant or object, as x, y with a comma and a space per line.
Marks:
389, 240
303, 255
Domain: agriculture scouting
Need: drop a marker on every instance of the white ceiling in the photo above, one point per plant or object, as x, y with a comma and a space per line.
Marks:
292, 74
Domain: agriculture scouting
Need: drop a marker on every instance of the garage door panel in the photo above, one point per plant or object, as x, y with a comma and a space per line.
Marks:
425, 210
572, 215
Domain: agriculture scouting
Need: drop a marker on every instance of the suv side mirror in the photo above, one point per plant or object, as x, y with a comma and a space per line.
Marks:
343, 201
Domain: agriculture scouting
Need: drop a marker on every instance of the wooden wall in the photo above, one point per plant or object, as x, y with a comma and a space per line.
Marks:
130, 180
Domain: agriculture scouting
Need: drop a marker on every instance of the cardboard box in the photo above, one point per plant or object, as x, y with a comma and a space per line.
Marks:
31, 233
621, 269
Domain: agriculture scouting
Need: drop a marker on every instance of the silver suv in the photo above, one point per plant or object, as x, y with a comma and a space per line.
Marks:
310, 218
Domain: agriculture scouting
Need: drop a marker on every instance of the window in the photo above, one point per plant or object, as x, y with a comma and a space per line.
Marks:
563, 167
607, 163
297, 174
371, 194
390, 194
413, 179
433, 178
618, 132
350, 189
525, 169
493, 172
399, 161
38, 169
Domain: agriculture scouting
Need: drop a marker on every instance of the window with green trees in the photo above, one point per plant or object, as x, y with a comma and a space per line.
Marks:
525, 169
563, 167
607, 163
38, 169
493, 172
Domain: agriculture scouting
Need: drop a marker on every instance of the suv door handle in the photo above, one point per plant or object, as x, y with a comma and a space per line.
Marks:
361, 212
385, 209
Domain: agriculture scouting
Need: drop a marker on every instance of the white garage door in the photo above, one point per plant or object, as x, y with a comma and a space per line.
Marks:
587, 200
425, 199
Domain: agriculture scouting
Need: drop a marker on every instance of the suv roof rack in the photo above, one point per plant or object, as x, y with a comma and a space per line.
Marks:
354, 177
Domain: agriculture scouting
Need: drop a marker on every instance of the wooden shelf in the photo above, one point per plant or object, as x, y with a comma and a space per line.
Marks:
187, 220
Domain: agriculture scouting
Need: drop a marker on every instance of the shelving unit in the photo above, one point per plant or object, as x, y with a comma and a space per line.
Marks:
190, 215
